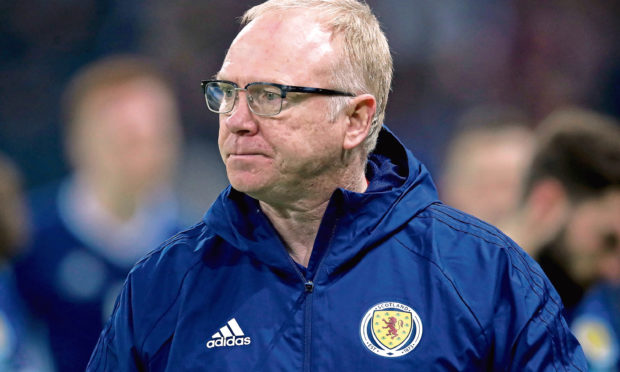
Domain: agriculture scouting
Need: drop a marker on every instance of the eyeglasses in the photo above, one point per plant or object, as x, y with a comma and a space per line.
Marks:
264, 99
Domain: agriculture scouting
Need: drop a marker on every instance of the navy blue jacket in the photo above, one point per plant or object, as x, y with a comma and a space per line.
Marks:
397, 281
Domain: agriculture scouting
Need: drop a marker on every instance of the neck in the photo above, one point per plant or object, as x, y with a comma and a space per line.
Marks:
298, 221
119, 201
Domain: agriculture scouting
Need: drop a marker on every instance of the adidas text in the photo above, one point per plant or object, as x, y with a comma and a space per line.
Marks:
229, 341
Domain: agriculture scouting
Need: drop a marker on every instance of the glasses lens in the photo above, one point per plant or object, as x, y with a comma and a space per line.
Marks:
265, 99
220, 97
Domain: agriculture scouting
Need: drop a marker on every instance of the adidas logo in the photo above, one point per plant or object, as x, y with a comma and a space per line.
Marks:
229, 335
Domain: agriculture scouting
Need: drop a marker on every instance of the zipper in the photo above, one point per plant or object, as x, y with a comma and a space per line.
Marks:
308, 328
308, 284
308, 291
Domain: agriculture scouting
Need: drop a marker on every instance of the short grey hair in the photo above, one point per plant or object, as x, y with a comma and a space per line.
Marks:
366, 66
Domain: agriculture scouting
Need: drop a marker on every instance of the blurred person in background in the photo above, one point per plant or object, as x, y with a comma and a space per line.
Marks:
569, 220
595, 233
485, 162
21, 347
13, 235
596, 320
122, 138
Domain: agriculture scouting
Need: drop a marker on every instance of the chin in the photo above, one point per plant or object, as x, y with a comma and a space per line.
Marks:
249, 184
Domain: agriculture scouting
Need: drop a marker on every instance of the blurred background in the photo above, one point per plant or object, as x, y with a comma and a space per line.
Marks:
449, 56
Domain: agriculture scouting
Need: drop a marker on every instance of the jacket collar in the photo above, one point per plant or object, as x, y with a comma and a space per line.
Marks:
399, 188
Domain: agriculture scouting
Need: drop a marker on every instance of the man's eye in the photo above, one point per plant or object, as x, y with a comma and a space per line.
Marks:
228, 93
270, 96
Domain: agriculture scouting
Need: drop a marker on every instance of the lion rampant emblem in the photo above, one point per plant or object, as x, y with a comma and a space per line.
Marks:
392, 325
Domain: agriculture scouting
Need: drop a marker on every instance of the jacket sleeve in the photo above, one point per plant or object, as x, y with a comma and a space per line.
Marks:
139, 333
508, 296
116, 349
529, 312
546, 344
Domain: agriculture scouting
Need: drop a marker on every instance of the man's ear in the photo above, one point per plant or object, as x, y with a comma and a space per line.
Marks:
548, 207
361, 112
548, 201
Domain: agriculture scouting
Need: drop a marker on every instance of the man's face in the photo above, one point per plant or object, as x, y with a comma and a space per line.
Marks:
486, 178
276, 158
127, 135
592, 237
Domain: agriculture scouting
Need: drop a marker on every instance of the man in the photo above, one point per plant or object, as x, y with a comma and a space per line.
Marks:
13, 234
570, 220
122, 139
570, 214
323, 255
485, 162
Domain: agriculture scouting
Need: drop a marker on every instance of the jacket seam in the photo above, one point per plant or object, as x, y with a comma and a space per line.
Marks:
536, 288
532, 283
176, 297
483, 331
503, 240
181, 235
546, 325
173, 240
485, 228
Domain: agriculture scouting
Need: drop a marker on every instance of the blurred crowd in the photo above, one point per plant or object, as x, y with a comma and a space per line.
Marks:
108, 147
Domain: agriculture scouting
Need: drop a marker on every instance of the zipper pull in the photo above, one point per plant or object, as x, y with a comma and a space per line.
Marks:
309, 285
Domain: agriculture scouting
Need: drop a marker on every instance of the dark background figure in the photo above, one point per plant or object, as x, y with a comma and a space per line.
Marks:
596, 325
122, 135
14, 347
569, 219
570, 222
485, 161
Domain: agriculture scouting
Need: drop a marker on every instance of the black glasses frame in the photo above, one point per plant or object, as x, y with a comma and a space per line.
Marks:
283, 88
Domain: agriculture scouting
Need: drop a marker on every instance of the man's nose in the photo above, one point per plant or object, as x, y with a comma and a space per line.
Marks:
241, 120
